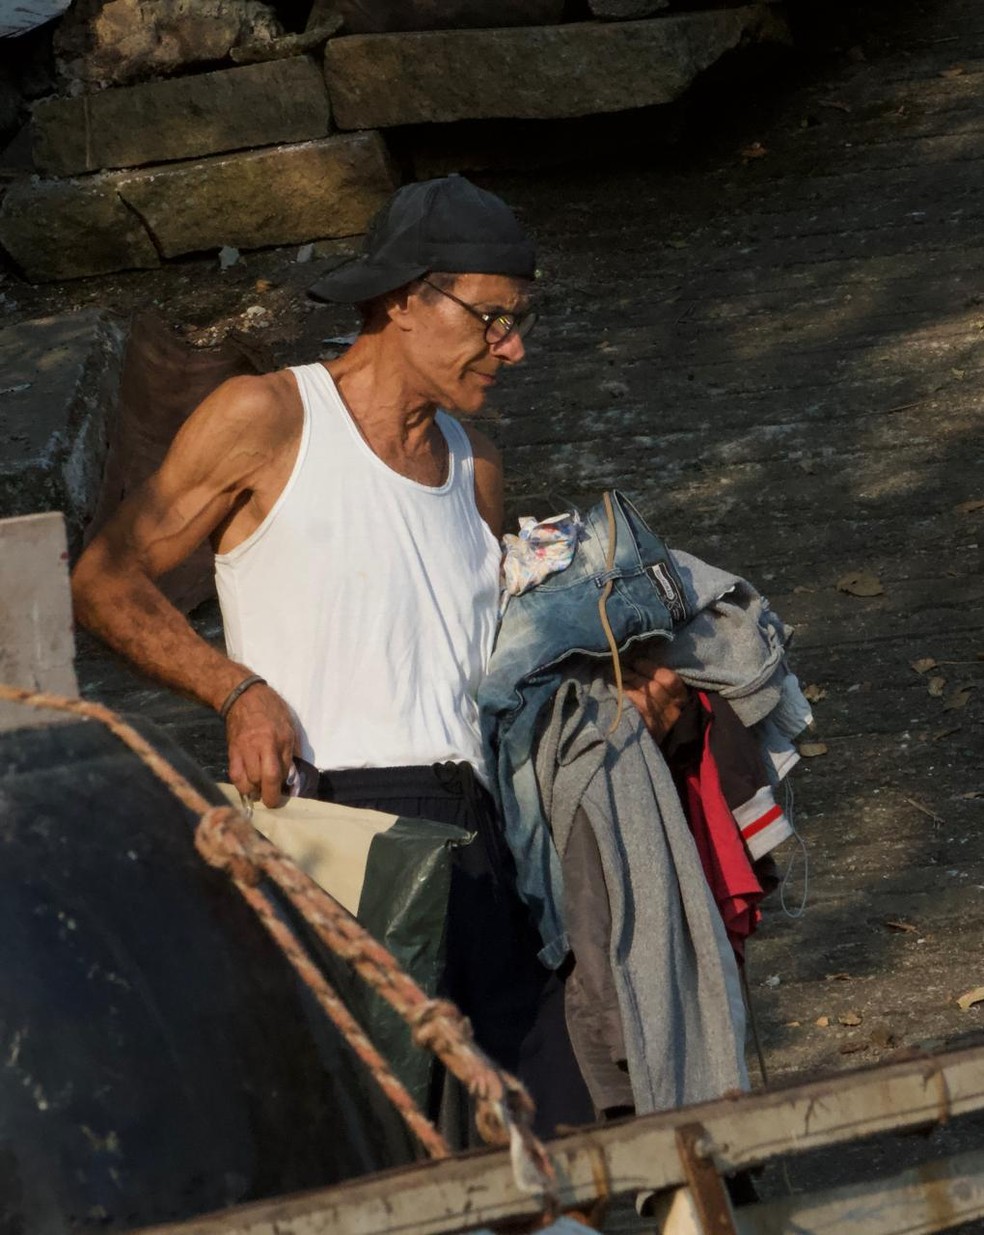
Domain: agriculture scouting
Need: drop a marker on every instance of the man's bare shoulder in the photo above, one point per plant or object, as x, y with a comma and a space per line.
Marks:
262, 408
483, 448
488, 478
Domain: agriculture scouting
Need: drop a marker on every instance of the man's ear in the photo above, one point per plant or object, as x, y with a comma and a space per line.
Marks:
400, 306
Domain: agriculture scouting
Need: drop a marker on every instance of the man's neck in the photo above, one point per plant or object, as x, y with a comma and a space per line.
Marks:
381, 394
394, 418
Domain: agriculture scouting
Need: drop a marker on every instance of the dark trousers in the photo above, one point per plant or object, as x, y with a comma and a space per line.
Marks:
491, 972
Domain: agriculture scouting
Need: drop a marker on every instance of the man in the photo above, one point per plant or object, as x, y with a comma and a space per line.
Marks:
356, 530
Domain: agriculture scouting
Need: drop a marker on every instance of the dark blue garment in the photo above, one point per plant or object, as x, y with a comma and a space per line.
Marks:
540, 631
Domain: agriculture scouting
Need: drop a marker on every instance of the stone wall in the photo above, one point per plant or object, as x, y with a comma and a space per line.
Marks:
180, 129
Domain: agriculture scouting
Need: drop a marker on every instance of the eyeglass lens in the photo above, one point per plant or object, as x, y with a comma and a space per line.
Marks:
506, 324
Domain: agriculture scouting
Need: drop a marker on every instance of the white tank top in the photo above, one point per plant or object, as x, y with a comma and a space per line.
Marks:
367, 600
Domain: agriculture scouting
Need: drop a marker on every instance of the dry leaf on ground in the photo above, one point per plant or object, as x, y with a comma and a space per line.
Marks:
973, 793
853, 1048
850, 1018
936, 687
894, 925
755, 151
956, 70
924, 664
810, 750
823, 1022
837, 977
968, 999
940, 734
958, 699
860, 583
814, 693
968, 508
882, 1037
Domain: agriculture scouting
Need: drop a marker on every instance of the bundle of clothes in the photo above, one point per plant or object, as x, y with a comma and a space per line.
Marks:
643, 863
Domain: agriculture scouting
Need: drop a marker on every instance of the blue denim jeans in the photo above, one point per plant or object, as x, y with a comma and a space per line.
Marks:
540, 631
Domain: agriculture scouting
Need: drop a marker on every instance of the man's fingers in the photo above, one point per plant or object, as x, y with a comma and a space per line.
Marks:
261, 744
240, 777
657, 693
273, 775
287, 756
650, 670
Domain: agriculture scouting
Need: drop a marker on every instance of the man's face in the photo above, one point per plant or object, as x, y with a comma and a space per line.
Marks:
446, 345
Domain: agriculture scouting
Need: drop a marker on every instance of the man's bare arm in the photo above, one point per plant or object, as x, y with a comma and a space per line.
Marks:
222, 455
488, 479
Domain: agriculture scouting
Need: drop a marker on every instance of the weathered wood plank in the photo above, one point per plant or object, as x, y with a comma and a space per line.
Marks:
475, 1189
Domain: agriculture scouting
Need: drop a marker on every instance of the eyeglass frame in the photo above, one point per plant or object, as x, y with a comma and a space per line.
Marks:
521, 323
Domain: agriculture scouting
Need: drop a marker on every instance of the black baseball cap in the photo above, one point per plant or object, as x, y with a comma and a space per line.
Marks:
448, 224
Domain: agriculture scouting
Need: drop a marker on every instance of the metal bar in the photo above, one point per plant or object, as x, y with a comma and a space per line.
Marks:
706, 1185
477, 1189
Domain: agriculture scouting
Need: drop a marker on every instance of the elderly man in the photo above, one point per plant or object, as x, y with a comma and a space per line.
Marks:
356, 532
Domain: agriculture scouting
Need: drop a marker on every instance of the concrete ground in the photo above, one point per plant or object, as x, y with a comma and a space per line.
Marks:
772, 337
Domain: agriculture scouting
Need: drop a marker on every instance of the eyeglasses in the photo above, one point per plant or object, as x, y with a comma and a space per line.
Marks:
500, 324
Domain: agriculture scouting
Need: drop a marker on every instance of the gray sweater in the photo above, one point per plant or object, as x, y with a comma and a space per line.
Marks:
677, 981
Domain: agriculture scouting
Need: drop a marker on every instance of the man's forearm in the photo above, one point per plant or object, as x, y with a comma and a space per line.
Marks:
130, 613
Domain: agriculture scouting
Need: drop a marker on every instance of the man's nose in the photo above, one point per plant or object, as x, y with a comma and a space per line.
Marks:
512, 349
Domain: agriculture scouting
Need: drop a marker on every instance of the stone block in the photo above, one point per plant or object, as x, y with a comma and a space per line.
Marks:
537, 72
63, 229
626, 10
382, 16
115, 42
310, 40
60, 381
282, 195
182, 118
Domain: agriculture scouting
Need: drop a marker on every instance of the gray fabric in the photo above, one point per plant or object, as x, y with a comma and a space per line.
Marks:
675, 974
590, 996
788, 719
733, 644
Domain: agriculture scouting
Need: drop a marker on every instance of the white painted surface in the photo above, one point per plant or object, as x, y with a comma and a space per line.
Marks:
37, 644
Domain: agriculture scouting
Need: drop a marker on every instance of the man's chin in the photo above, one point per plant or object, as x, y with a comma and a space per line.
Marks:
466, 402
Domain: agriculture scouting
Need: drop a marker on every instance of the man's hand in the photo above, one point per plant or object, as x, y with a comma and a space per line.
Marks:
261, 738
657, 693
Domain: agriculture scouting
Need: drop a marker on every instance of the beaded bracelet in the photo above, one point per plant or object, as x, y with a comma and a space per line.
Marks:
254, 679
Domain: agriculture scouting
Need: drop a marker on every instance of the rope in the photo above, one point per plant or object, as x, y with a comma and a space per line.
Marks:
226, 840
603, 610
753, 1024
803, 851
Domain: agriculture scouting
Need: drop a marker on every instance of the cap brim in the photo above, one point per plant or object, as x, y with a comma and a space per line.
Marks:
359, 279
